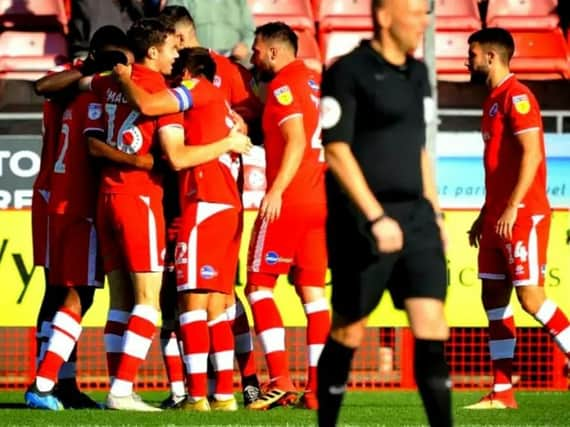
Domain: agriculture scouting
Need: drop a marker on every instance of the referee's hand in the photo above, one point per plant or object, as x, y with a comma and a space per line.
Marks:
388, 235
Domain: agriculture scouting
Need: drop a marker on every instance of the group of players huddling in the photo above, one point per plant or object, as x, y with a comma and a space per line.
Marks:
141, 181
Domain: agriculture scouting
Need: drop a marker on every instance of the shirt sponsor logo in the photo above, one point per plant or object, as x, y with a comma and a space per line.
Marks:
94, 111
330, 112
521, 103
208, 272
283, 95
494, 109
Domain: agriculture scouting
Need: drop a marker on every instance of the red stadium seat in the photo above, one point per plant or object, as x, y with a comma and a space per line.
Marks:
457, 15
33, 15
541, 55
28, 56
344, 15
316, 4
337, 43
309, 49
523, 14
296, 13
451, 50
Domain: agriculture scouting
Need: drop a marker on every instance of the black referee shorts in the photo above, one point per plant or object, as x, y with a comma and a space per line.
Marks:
360, 275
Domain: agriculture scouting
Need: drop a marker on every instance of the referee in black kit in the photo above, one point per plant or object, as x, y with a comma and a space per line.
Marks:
385, 230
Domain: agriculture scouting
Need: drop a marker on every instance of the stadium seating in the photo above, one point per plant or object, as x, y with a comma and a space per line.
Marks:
523, 14
345, 15
33, 15
541, 55
29, 55
457, 15
337, 43
296, 13
451, 50
309, 49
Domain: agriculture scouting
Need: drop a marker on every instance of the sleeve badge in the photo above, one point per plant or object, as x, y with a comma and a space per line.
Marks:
94, 111
283, 95
521, 104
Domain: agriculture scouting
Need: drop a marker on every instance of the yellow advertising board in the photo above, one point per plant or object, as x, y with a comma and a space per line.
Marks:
22, 285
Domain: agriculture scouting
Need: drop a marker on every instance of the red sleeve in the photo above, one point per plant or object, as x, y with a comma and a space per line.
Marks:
284, 102
176, 119
523, 111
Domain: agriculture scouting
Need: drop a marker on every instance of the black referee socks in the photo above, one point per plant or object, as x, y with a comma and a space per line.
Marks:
432, 378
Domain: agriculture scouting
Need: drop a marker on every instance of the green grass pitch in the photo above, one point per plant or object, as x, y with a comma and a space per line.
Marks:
387, 408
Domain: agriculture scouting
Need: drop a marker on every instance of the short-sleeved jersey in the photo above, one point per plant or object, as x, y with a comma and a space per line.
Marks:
294, 92
378, 109
238, 86
73, 181
208, 121
510, 110
51, 125
129, 131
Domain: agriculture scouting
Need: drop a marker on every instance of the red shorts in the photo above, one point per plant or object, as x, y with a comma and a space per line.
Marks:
522, 259
131, 232
73, 252
295, 240
208, 247
40, 236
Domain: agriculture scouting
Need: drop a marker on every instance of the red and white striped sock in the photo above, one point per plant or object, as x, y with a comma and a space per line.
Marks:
172, 361
113, 336
222, 356
136, 343
556, 322
269, 328
502, 342
195, 345
318, 326
66, 331
243, 340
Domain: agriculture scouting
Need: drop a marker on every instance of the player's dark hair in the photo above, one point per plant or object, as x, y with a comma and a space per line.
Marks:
495, 37
147, 33
172, 15
279, 31
198, 62
108, 35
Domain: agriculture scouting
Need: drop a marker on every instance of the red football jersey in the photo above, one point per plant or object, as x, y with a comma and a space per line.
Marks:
129, 131
238, 85
51, 126
511, 109
295, 92
73, 180
208, 121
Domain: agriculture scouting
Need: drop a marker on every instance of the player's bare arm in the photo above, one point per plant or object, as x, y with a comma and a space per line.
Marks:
341, 162
181, 156
155, 104
293, 134
52, 84
100, 149
530, 160
430, 192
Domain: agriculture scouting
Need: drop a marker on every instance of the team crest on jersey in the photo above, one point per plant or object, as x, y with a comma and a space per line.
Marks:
521, 103
94, 111
313, 85
190, 84
494, 109
283, 95
217, 81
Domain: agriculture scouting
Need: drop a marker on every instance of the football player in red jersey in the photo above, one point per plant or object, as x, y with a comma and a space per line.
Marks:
59, 89
513, 227
289, 233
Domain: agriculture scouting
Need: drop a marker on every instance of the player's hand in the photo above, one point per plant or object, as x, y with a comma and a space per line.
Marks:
504, 226
271, 205
240, 51
145, 161
238, 142
240, 124
475, 231
388, 234
122, 72
443, 233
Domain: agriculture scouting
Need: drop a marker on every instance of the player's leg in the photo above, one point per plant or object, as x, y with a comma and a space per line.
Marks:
496, 294
140, 231
530, 245
270, 254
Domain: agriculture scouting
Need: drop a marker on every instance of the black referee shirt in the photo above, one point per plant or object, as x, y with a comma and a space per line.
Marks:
378, 108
